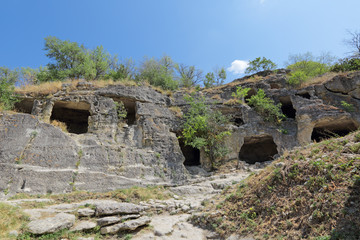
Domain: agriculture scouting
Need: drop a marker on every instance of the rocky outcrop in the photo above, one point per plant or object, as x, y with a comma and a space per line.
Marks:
103, 152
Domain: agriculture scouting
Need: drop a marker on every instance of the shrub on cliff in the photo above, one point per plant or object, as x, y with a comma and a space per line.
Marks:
260, 64
8, 78
205, 129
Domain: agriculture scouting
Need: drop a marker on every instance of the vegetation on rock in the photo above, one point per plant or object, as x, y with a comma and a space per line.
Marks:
205, 129
260, 64
312, 193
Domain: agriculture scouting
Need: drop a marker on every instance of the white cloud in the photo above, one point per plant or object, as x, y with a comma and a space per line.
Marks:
262, 1
238, 66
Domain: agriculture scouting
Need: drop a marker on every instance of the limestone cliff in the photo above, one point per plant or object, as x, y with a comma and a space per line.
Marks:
102, 153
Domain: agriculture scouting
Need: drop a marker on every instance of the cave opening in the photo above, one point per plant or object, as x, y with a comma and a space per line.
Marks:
238, 121
287, 107
304, 95
250, 93
130, 107
74, 114
24, 106
258, 149
333, 129
192, 155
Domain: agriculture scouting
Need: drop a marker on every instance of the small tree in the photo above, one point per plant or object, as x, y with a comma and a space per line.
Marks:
205, 129
157, 73
8, 78
220, 75
209, 80
260, 64
266, 107
353, 42
240, 94
189, 76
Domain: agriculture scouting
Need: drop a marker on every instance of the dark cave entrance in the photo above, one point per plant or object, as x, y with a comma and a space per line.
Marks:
287, 107
258, 149
74, 114
338, 128
192, 155
304, 95
130, 107
250, 93
24, 106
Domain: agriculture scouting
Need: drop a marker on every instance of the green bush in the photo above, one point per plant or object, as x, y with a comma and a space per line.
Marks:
266, 107
205, 128
297, 78
346, 64
8, 78
240, 94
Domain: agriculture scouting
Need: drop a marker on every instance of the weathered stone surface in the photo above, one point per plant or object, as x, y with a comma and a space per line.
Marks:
86, 212
118, 208
115, 219
126, 226
36, 157
51, 224
83, 226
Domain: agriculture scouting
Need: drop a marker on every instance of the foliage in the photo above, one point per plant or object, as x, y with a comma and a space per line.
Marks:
120, 70
347, 106
306, 66
205, 128
346, 64
209, 80
158, 73
266, 107
71, 60
189, 76
297, 78
240, 94
215, 78
7, 79
260, 64
121, 110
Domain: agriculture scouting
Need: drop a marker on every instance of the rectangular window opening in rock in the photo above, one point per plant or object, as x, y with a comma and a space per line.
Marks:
259, 148
130, 107
335, 128
287, 107
74, 114
24, 106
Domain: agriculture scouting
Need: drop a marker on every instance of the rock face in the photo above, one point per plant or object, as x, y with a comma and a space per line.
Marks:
51, 225
102, 152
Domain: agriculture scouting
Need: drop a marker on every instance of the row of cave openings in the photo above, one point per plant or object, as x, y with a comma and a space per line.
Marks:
263, 148
76, 115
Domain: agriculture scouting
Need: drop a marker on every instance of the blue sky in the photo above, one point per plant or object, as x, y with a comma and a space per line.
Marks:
204, 33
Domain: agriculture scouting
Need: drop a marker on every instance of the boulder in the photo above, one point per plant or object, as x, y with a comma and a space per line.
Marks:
114, 219
51, 224
83, 226
112, 208
126, 226
86, 212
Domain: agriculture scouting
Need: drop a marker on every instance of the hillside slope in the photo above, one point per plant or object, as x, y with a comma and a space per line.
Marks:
308, 193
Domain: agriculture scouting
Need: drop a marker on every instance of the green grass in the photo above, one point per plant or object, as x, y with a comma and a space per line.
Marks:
11, 218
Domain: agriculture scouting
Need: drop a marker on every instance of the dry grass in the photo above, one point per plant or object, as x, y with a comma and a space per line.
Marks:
232, 101
60, 125
177, 111
134, 195
11, 218
319, 80
309, 193
45, 88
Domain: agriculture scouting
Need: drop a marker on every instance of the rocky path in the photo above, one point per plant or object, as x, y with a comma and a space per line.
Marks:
167, 218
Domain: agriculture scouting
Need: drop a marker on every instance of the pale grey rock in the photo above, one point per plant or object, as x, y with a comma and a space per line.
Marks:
51, 224
126, 226
118, 208
86, 212
13, 233
115, 219
83, 226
